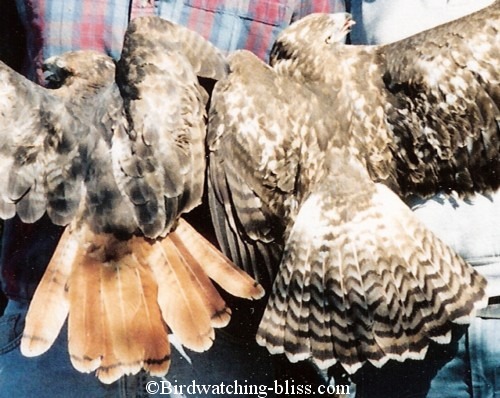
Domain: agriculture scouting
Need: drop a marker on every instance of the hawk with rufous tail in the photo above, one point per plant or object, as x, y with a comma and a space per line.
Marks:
117, 153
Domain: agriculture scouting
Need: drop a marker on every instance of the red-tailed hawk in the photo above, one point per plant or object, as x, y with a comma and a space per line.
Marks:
118, 160
311, 159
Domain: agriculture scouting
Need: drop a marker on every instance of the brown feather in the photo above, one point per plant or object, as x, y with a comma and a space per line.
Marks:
215, 305
119, 157
115, 324
217, 266
308, 141
86, 327
51, 298
182, 304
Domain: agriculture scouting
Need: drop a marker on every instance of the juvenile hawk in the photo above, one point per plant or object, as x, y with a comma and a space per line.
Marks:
311, 159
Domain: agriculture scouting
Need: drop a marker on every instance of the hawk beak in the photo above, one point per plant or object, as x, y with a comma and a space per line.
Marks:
348, 24
49, 76
54, 73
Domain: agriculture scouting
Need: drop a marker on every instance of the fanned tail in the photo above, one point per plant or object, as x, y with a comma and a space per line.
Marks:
122, 296
363, 280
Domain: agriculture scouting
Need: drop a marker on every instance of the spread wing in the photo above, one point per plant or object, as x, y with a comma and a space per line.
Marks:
423, 112
444, 105
141, 141
40, 152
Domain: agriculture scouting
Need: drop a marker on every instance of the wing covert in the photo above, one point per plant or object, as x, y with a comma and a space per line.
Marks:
443, 86
253, 165
160, 162
41, 152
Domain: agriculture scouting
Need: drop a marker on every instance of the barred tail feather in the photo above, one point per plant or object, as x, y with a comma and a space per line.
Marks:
365, 282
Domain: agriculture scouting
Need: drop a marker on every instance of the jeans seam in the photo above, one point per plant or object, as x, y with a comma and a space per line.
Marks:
11, 345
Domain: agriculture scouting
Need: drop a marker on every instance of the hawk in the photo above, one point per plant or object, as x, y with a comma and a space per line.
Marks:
311, 160
117, 153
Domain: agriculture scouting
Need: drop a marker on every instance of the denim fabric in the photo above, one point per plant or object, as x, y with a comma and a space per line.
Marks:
470, 227
239, 360
50, 375
475, 371
467, 368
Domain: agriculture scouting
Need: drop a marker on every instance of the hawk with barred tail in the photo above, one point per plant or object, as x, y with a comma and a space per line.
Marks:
118, 154
311, 160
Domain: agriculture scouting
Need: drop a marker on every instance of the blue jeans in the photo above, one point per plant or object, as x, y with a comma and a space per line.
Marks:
50, 375
233, 358
479, 357
467, 368
236, 360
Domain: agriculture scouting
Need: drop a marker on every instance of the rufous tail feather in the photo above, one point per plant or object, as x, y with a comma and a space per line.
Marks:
123, 296
51, 298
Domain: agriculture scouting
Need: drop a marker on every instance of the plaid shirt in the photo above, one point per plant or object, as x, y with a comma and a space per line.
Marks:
56, 26
252, 25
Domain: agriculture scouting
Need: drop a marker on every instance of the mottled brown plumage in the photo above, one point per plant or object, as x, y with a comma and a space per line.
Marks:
311, 159
119, 159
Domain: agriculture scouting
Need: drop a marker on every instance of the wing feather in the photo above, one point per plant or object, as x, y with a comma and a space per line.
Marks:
242, 146
443, 86
161, 161
39, 152
120, 156
305, 156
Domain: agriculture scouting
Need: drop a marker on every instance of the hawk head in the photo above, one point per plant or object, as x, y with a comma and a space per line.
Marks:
80, 68
314, 32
